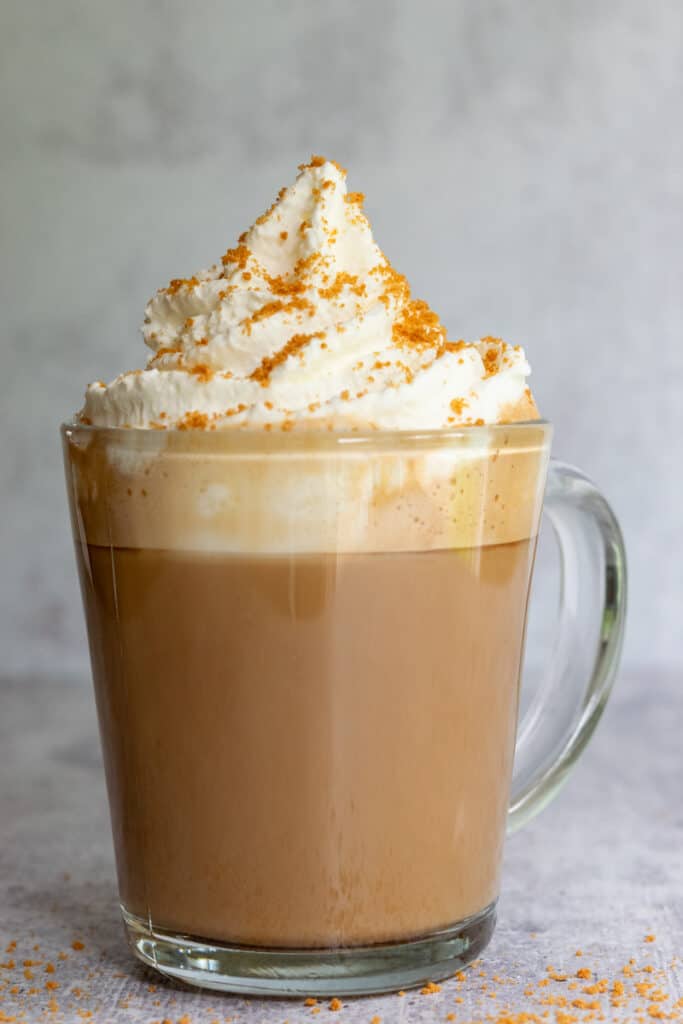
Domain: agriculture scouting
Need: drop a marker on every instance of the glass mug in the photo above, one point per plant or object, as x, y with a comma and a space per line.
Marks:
306, 652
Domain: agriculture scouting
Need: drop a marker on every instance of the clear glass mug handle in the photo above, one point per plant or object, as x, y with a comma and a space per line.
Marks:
564, 712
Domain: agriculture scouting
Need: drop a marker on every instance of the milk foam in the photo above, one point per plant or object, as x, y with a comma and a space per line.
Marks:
202, 492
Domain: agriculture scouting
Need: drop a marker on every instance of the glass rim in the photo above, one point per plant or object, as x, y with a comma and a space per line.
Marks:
250, 440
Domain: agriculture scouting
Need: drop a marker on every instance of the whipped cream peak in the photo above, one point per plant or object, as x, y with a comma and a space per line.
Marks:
304, 324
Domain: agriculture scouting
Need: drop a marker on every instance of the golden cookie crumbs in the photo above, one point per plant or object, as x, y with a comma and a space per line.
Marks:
277, 306
407, 372
430, 989
295, 345
584, 972
236, 411
597, 988
490, 360
310, 1001
264, 216
457, 405
417, 326
650, 938
77, 945
335, 1004
239, 255
165, 350
342, 280
286, 286
203, 372
355, 198
181, 282
396, 287
192, 421
315, 161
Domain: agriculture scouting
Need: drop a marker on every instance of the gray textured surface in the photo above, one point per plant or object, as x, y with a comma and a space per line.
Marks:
598, 871
522, 162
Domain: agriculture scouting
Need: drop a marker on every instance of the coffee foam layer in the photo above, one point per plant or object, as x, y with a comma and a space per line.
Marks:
483, 487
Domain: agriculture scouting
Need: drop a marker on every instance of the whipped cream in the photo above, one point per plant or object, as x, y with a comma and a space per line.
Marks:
304, 324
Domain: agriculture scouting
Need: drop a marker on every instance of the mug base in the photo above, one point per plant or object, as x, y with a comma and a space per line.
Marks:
353, 971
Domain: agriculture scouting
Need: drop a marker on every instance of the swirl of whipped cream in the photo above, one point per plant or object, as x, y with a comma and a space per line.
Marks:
305, 324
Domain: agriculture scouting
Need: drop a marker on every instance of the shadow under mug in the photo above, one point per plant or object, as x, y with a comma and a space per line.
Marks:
306, 653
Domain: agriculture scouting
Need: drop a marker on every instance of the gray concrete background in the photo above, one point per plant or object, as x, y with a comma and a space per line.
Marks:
522, 162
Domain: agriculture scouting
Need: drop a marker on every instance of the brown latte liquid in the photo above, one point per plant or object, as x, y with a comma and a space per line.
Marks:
307, 751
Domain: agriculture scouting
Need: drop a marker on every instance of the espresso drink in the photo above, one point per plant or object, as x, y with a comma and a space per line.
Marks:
305, 533
312, 750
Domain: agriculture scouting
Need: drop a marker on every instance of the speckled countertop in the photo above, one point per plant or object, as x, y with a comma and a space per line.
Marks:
599, 871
